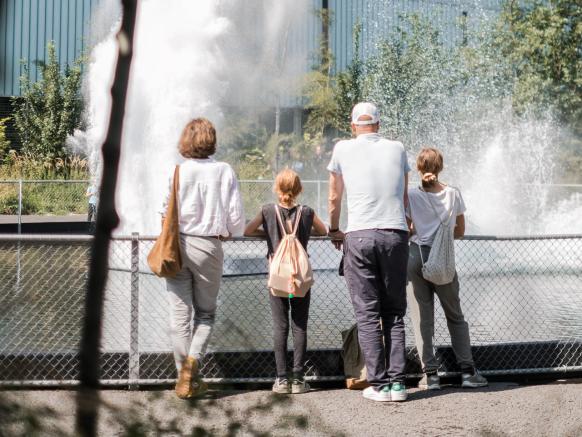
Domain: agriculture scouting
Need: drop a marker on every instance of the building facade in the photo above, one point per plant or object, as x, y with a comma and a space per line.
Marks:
26, 26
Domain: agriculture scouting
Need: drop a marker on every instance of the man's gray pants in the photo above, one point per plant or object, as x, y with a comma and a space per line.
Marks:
375, 271
421, 300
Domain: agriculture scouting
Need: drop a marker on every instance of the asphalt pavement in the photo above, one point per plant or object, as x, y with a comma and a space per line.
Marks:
503, 409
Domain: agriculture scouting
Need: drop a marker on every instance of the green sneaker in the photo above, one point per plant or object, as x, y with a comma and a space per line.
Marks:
398, 392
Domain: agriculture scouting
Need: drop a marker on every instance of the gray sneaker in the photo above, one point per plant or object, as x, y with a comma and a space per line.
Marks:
473, 381
430, 382
298, 385
281, 385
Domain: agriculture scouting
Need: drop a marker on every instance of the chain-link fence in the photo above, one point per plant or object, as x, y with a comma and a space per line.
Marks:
22, 198
522, 298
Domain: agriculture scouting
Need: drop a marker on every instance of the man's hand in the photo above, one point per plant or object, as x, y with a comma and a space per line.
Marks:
337, 238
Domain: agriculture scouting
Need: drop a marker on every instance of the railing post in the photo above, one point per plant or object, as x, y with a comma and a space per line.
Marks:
319, 198
134, 308
20, 206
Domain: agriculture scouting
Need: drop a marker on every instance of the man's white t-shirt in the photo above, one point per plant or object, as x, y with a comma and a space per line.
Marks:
373, 170
424, 207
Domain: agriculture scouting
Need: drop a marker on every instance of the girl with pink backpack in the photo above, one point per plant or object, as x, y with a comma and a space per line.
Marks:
285, 222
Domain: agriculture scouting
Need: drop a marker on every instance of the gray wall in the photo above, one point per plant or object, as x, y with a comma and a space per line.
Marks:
26, 26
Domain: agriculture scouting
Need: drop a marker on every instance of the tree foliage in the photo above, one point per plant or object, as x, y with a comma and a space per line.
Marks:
49, 109
4, 142
542, 42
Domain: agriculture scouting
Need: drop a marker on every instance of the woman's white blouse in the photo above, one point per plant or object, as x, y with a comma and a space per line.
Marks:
210, 202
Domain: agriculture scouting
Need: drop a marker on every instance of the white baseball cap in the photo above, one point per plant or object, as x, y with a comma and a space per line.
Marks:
365, 108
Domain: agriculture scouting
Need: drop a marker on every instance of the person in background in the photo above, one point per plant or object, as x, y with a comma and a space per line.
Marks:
429, 205
91, 193
210, 209
287, 187
374, 173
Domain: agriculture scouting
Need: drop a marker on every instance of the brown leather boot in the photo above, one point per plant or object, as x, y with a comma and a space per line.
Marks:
188, 373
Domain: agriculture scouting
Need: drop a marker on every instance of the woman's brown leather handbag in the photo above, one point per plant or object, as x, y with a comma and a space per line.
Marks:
165, 259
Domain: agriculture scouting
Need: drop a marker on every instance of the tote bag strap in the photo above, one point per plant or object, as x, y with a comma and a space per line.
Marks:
448, 221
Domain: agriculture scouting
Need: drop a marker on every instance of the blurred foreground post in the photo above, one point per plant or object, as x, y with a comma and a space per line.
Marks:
107, 220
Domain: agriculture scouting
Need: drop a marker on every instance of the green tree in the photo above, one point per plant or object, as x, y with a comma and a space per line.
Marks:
319, 87
4, 142
414, 80
49, 109
349, 85
541, 39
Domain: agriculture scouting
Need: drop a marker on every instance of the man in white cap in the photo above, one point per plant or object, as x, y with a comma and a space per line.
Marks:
374, 173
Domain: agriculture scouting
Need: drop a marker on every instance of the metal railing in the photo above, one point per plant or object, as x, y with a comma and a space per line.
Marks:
522, 297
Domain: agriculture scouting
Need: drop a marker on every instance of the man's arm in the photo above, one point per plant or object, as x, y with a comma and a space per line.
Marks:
336, 191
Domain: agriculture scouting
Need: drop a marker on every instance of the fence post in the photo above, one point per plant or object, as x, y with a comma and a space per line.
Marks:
319, 198
20, 206
134, 308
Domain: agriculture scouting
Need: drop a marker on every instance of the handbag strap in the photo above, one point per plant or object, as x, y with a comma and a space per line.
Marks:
176, 189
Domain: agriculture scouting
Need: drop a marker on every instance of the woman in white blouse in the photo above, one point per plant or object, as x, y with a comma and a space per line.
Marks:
210, 209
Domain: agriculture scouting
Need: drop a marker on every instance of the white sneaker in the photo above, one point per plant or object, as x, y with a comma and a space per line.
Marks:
298, 385
382, 395
281, 385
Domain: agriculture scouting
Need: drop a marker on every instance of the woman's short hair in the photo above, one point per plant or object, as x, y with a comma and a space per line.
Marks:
429, 160
287, 186
198, 139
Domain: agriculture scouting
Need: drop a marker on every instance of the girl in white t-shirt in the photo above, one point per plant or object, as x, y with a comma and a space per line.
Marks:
429, 205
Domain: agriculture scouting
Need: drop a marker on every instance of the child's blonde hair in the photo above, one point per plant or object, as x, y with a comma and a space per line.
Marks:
287, 186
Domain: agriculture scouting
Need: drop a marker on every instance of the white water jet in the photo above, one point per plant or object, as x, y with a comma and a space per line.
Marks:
189, 58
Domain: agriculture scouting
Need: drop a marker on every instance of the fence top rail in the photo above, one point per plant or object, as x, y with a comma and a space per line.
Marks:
88, 238
44, 181
246, 181
46, 237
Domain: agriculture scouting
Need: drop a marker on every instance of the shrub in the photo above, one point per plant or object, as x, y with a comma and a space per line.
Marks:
4, 142
49, 109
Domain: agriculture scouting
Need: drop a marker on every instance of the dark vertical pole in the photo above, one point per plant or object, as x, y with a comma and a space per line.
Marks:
134, 320
107, 220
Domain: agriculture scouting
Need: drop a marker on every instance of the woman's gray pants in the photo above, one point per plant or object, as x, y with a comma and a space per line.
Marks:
421, 303
194, 290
